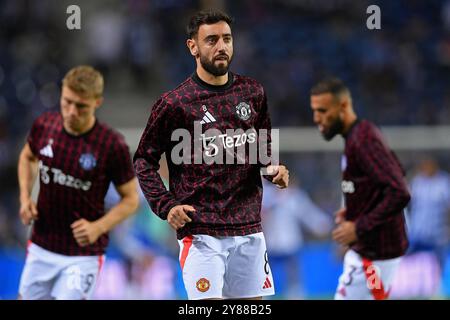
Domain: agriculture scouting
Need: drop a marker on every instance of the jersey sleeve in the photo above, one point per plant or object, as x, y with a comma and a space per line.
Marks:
265, 137
384, 169
35, 133
121, 167
154, 142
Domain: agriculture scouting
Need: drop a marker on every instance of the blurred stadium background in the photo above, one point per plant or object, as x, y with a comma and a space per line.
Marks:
399, 77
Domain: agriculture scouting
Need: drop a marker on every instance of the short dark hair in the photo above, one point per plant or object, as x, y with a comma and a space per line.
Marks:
206, 17
332, 85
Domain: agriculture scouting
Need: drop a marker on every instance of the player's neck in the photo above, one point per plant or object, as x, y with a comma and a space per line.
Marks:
348, 123
212, 79
80, 131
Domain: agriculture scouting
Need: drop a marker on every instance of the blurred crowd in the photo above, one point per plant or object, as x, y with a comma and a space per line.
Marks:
398, 75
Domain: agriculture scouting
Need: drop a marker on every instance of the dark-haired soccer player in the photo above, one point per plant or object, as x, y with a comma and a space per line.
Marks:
372, 223
214, 206
77, 157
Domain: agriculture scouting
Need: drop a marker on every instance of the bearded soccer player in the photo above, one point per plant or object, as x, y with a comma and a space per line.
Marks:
372, 223
77, 158
214, 207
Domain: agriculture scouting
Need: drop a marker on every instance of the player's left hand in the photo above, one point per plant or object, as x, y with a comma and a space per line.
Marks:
281, 175
345, 233
85, 232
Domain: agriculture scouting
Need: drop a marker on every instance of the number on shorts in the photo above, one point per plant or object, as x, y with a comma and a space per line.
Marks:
88, 281
350, 276
266, 264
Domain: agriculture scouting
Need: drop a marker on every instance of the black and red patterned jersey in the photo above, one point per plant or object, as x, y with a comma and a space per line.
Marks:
227, 197
74, 173
376, 193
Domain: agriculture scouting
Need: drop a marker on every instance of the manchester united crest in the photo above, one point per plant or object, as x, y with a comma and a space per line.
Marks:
88, 161
203, 285
243, 111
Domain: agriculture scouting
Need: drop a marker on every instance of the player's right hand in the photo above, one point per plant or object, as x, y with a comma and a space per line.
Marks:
339, 216
177, 217
28, 211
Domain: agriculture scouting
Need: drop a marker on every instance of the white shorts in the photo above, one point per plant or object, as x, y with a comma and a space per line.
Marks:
363, 279
49, 275
225, 267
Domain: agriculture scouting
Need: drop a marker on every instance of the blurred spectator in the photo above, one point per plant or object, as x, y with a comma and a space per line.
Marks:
286, 217
106, 38
420, 273
429, 210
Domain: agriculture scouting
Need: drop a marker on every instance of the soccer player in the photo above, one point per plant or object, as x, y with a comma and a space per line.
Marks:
77, 157
214, 207
372, 222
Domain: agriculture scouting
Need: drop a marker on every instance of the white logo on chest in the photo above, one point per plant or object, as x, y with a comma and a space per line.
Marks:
47, 151
208, 117
243, 111
348, 186
61, 178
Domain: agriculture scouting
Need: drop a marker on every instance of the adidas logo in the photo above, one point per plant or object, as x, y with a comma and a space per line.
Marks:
47, 150
267, 284
207, 118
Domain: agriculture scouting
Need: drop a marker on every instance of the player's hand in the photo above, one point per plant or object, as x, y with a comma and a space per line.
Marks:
28, 211
339, 216
280, 175
85, 232
345, 233
177, 217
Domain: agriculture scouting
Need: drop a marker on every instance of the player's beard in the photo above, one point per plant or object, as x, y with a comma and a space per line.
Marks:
71, 124
336, 127
216, 71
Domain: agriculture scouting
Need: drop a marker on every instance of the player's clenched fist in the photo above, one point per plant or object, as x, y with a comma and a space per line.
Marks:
28, 211
178, 216
85, 232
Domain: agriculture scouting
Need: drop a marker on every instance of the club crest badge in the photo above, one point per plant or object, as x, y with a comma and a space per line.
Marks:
203, 285
88, 161
243, 111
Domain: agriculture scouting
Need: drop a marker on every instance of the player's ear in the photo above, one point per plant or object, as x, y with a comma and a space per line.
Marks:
192, 45
344, 103
98, 102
